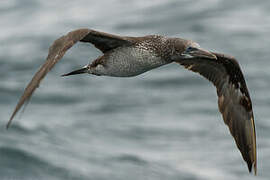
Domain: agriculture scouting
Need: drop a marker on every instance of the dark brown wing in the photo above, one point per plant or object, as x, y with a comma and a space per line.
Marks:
103, 41
233, 100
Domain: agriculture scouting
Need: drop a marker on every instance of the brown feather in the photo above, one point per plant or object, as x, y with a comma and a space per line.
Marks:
103, 41
233, 100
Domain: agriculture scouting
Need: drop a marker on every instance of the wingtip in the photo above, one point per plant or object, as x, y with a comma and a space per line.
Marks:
252, 167
10, 119
255, 168
8, 124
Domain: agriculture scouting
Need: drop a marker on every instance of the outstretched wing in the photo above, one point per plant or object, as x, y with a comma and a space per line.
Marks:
102, 41
105, 42
233, 100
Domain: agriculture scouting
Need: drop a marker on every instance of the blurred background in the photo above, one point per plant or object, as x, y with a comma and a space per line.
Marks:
163, 124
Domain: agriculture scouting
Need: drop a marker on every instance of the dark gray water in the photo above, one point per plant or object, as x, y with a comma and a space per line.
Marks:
163, 124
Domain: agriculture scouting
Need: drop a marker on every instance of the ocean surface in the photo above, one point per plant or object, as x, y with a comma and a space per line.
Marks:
161, 125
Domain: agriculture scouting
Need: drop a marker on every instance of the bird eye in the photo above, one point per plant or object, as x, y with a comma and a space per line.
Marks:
190, 48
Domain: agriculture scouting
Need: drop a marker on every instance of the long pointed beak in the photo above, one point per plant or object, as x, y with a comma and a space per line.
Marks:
198, 53
79, 71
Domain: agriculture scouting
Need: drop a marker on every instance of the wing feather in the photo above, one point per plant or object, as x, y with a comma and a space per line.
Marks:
105, 41
101, 40
233, 100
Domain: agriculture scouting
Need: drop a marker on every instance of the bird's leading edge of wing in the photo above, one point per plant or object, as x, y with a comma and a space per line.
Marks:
102, 41
233, 100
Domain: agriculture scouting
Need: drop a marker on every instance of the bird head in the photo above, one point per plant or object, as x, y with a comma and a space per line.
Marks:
193, 50
187, 49
196, 52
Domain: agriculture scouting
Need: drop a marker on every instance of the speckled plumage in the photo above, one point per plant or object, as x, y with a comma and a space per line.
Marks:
141, 55
128, 61
130, 56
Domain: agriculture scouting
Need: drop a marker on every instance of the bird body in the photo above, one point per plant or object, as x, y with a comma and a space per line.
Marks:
141, 54
125, 56
126, 62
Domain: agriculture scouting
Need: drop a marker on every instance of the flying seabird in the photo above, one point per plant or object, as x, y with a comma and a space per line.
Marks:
125, 56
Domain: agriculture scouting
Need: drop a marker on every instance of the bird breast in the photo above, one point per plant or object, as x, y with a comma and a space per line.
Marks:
131, 61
